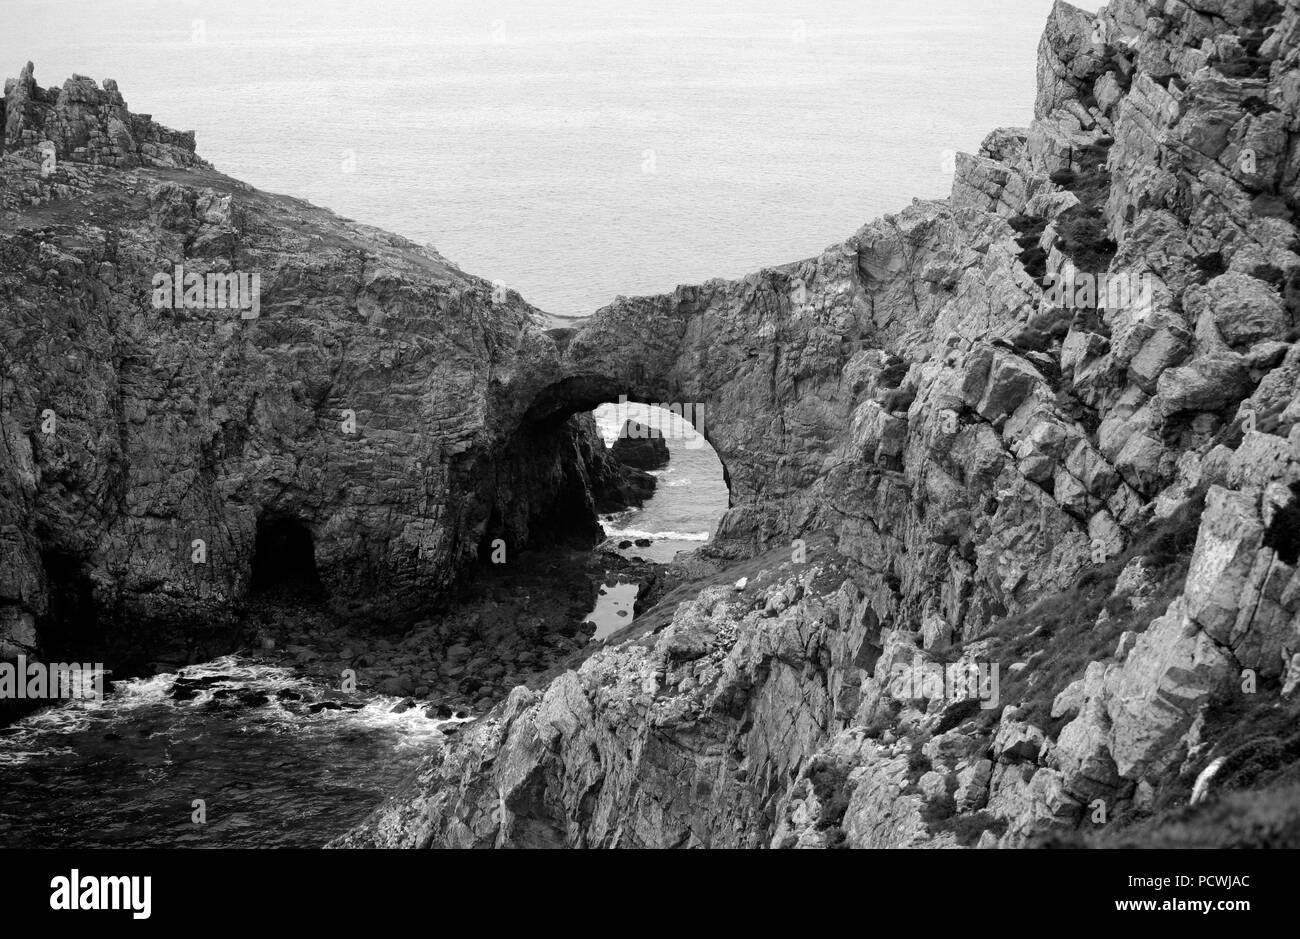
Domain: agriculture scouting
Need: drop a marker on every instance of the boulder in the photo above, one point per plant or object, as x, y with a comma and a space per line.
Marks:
640, 446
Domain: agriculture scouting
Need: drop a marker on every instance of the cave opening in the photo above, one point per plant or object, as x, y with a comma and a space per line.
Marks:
284, 558
69, 627
630, 483
68, 630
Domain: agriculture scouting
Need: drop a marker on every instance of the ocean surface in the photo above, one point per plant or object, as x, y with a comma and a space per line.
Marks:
279, 770
571, 149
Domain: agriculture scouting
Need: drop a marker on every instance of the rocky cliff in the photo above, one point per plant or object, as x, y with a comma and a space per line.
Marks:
189, 362
1020, 560
1004, 561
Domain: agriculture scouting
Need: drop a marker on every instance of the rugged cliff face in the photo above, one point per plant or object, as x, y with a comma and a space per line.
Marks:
1003, 561
348, 386
1091, 508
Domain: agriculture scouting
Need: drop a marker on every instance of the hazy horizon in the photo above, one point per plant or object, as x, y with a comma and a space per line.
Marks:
573, 154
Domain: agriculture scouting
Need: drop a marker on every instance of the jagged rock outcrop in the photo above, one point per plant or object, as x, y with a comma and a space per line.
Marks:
640, 447
83, 123
1095, 491
614, 484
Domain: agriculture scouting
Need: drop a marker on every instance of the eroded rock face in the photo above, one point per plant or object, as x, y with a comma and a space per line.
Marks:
973, 444
351, 383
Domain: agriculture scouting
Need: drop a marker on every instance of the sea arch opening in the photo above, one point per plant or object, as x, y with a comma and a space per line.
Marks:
586, 393
661, 445
691, 491
630, 419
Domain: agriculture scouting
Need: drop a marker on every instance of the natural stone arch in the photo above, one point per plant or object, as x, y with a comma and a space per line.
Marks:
577, 394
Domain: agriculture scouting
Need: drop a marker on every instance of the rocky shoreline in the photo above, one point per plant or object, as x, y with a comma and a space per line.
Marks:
508, 628
940, 464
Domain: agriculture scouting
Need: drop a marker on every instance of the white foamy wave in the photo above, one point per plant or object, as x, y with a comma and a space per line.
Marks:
42, 734
657, 535
39, 734
228, 671
63, 718
621, 513
413, 726
377, 712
